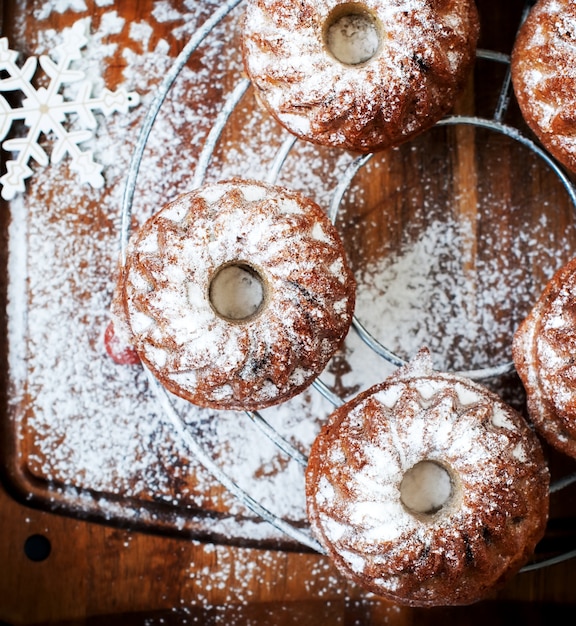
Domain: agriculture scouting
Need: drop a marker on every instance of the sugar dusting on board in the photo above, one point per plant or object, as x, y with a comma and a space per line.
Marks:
91, 430
94, 431
414, 292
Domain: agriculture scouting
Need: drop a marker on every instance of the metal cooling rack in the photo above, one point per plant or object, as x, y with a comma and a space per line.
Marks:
195, 446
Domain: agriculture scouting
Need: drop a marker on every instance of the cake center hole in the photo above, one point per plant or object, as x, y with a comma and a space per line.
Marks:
426, 488
237, 292
352, 35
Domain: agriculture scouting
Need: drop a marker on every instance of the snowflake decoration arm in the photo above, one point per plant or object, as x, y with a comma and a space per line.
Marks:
45, 110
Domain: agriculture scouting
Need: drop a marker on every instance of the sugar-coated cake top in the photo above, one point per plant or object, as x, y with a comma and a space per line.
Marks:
410, 59
278, 244
544, 75
452, 542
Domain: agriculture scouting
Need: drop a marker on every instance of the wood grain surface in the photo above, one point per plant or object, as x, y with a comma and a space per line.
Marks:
148, 572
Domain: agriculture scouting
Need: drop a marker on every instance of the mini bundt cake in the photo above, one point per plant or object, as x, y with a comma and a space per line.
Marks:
543, 69
237, 294
544, 352
359, 75
427, 489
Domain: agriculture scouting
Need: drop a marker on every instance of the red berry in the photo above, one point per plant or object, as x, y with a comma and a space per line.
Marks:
117, 350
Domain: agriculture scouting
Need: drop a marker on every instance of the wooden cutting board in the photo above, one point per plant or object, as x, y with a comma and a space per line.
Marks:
451, 238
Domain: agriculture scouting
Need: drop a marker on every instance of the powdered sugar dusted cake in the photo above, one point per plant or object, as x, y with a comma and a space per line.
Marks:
544, 352
363, 76
427, 489
544, 76
237, 294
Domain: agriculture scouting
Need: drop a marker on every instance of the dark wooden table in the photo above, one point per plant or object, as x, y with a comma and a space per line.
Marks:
61, 560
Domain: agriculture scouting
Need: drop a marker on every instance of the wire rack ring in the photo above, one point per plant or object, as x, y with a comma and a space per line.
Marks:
194, 446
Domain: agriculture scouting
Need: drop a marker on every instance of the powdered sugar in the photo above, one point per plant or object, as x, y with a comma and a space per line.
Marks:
60, 6
193, 346
90, 431
544, 72
95, 429
424, 285
361, 93
372, 505
543, 352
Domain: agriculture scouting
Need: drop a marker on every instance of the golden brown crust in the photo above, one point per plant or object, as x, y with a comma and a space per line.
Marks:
426, 52
269, 357
544, 350
543, 69
481, 537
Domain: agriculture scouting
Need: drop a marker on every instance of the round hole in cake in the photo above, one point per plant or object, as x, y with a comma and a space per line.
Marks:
352, 34
237, 292
426, 488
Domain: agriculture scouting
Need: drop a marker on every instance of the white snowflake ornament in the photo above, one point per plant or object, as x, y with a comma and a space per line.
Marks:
45, 110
